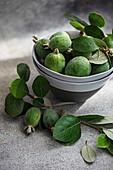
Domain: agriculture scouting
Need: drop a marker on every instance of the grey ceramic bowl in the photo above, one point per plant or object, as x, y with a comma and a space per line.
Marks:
68, 91
69, 78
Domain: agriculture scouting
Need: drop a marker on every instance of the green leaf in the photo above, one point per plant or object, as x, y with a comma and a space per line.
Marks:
84, 44
110, 147
13, 106
100, 43
47, 103
90, 117
23, 71
38, 102
103, 141
104, 120
77, 25
88, 154
96, 19
74, 18
98, 58
18, 88
94, 31
26, 107
41, 86
67, 129
108, 132
108, 41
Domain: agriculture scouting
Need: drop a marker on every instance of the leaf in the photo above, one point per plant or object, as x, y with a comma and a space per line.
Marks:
103, 141
94, 31
26, 107
77, 25
62, 112
67, 129
38, 102
110, 147
88, 153
105, 120
108, 132
74, 18
90, 117
18, 88
108, 41
84, 44
96, 19
23, 71
40, 86
98, 58
48, 103
13, 106
100, 43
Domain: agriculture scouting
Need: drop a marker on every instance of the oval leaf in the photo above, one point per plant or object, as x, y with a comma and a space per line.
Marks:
13, 106
94, 31
40, 86
48, 103
110, 147
88, 154
100, 43
103, 141
90, 117
84, 44
77, 25
23, 71
74, 18
67, 129
38, 102
27, 106
104, 120
109, 133
18, 88
96, 19
98, 58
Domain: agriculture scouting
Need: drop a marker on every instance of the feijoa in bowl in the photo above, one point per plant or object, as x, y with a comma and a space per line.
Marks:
69, 78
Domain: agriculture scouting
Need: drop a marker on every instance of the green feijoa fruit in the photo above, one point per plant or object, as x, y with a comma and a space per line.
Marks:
85, 54
40, 50
78, 66
32, 118
50, 117
23, 71
99, 68
84, 44
108, 41
60, 42
55, 61
18, 88
96, 19
13, 106
60, 33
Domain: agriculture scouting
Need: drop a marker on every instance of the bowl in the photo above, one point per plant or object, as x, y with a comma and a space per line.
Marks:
66, 77
70, 91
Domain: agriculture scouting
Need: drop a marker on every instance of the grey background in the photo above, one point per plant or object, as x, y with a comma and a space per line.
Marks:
19, 20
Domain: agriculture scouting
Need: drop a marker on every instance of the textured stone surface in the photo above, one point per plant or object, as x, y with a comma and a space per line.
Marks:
18, 21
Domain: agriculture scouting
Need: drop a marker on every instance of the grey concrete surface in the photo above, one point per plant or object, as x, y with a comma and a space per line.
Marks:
19, 20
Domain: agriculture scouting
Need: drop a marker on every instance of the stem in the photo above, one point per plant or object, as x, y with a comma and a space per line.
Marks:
32, 97
93, 126
64, 103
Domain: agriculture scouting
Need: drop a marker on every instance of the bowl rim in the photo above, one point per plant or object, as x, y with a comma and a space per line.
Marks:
63, 75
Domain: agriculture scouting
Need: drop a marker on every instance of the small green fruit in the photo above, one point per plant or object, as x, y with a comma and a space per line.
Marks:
32, 118
78, 53
50, 117
100, 68
55, 61
108, 41
78, 66
60, 42
40, 50
60, 33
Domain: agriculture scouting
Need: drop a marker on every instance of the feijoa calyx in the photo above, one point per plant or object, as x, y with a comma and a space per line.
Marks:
55, 61
32, 118
50, 117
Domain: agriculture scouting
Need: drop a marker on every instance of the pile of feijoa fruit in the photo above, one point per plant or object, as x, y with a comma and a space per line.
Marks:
87, 54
